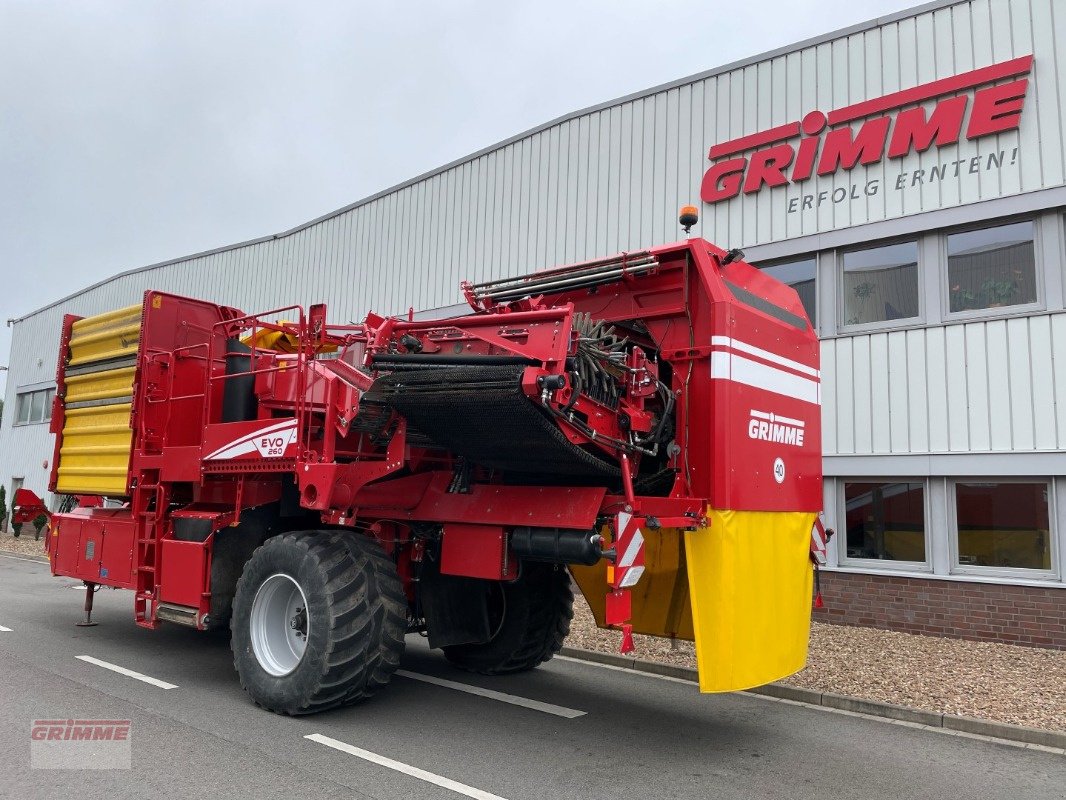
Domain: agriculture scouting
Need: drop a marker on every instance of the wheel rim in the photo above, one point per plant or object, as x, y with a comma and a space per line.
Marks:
279, 624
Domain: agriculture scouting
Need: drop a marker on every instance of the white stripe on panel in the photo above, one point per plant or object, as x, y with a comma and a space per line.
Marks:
729, 366
766, 355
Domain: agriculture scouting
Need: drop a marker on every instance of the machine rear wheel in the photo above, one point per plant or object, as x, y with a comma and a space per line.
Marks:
311, 627
530, 619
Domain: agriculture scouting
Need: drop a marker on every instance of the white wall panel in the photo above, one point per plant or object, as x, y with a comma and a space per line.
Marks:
981, 387
1045, 429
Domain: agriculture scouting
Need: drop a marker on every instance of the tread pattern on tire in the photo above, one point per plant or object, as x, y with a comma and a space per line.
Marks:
388, 609
359, 651
536, 623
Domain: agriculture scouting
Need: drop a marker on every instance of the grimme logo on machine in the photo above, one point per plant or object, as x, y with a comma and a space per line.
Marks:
828, 143
775, 428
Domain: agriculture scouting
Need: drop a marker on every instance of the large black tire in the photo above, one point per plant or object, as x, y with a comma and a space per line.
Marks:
388, 608
351, 647
531, 619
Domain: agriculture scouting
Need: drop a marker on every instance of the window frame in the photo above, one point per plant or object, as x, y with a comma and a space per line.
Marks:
24, 397
920, 319
887, 565
1017, 309
955, 568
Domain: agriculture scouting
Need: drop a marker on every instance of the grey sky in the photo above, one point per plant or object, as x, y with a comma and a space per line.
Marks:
132, 132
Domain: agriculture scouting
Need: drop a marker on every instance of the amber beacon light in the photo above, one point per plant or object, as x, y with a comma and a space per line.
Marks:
690, 215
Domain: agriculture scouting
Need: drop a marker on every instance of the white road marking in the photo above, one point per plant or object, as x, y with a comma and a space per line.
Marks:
406, 769
5, 630
20, 558
128, 672
525, 702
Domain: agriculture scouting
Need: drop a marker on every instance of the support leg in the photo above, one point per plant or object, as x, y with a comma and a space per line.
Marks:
90, 590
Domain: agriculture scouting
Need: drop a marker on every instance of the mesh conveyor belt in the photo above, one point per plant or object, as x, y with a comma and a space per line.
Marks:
481, 413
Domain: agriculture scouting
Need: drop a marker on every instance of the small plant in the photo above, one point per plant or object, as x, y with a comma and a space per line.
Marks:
991, 294
39, 523
863, 292
3, 508
999, 293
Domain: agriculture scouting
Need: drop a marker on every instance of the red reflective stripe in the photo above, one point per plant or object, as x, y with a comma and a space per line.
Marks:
927, 91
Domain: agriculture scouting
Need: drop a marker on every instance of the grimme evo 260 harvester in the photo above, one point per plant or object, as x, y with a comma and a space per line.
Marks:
647, 424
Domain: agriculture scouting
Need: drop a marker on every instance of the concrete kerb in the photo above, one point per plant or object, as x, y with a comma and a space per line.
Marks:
949, 722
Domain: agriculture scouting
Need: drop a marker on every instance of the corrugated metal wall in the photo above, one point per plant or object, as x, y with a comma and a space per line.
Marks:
613, 178
977, 387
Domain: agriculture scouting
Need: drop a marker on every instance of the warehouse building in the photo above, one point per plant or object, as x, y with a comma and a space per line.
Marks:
907, 176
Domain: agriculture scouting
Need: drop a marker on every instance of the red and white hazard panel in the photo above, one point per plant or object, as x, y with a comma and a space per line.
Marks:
629, 545
818, 543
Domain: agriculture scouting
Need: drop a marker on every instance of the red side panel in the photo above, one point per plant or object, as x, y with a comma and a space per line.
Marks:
766, 416
746, 366
94, 545
184, 572
476, 551
58, 408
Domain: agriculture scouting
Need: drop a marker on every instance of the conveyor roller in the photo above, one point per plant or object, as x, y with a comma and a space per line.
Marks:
481, 413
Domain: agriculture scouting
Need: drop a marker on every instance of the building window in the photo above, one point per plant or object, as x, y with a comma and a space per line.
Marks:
35, 406
1003, 525
991, 267
880, 284
885, 521
799, 274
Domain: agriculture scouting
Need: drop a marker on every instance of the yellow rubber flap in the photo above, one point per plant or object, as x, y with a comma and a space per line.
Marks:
112, 384
660, 598
750, 583
95, 453
111, 335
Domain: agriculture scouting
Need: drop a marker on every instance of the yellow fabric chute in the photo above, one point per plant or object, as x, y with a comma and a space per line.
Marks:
750, 580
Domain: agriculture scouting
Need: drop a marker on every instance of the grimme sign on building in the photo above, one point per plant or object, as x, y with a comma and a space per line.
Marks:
830, 143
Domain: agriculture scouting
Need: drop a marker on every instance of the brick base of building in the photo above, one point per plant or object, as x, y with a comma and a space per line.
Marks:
1025, 615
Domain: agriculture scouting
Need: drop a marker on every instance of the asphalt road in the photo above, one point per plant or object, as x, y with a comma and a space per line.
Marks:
639, 736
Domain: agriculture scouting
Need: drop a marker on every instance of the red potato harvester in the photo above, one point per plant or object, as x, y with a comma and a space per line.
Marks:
646, 424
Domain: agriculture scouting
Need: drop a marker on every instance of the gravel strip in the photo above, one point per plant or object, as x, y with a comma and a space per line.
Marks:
1000, 682
24, 545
